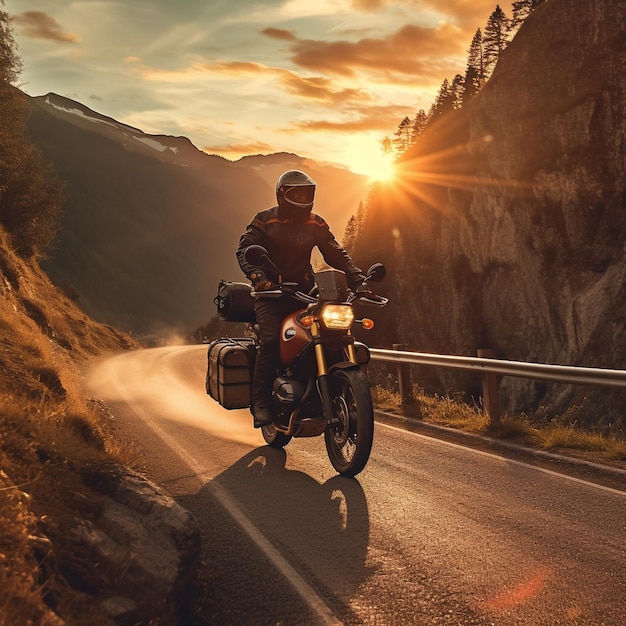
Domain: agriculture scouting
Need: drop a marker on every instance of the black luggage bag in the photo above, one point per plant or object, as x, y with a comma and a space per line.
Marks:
234, 302
229, 372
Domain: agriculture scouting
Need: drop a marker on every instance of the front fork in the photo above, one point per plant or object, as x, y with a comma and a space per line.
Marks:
323, 378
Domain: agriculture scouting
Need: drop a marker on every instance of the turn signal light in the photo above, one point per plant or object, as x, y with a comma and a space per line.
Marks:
307, 321
367, 323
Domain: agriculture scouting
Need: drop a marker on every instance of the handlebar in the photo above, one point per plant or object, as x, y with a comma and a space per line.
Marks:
367, 298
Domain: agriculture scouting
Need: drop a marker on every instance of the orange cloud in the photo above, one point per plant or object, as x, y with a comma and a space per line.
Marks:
321, 89
468, 14
317, 88
408, 51
362, 119
236, 150
40, 25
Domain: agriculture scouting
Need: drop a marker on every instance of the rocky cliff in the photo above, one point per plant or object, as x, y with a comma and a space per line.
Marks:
508, 217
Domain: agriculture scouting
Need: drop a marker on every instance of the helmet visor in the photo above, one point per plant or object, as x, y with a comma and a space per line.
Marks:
300, 194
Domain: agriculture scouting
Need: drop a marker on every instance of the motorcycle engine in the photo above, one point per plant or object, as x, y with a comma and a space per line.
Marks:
287, 392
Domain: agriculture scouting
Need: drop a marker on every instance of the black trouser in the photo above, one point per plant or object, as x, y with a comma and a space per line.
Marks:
270, 313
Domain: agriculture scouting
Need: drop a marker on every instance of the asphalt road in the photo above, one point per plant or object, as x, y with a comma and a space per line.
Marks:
431, 532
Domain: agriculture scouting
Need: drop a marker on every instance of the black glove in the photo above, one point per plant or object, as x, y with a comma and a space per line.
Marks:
260, 281
362, 288
265, 285
365, 295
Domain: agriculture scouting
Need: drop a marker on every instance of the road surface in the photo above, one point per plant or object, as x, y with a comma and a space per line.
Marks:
430, 532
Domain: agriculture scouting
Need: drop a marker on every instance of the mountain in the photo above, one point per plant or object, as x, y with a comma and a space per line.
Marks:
507, 226
151, 223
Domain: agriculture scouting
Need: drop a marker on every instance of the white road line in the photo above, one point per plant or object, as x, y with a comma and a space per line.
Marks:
302, 588
508, 460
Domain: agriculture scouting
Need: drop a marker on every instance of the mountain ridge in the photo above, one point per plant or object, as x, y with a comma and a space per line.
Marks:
151, 223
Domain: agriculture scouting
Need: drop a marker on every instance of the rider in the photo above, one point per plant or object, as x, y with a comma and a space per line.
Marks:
289, 232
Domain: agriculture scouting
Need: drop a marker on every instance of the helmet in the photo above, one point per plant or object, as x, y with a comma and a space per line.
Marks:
295, 190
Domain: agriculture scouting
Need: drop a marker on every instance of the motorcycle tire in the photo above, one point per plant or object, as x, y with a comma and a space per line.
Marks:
274, 438
349, 442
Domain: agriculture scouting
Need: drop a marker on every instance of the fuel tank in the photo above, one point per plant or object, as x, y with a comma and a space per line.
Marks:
292, 338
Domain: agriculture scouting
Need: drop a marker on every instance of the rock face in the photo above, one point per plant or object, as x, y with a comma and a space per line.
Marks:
512, 232
147, 545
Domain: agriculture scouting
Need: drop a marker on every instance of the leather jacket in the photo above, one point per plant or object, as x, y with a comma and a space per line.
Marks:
290, 242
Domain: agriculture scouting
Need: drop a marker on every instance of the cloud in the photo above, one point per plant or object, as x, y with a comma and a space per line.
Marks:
280, 34
237, 149
408, 51
357, 120
40, 25
321, 89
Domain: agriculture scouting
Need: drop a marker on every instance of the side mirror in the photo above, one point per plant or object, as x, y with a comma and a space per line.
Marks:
376, 273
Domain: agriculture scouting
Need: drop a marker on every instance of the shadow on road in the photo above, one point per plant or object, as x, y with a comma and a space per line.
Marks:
321, 530
323, 527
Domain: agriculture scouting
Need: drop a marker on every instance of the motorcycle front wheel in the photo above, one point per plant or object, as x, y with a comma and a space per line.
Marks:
349, 441
274, 438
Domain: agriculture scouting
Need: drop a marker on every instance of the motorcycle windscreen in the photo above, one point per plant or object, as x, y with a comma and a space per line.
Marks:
333, 285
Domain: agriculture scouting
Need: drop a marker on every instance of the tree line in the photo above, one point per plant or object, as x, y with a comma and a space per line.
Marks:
31, 195
484, 51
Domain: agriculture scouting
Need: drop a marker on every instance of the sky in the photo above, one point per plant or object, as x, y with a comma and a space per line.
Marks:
324, 79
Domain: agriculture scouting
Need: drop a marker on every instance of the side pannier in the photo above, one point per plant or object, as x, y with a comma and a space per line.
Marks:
229, 371
234, 302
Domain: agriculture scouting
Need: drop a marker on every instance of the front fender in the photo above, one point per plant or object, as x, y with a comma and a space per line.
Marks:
343, 365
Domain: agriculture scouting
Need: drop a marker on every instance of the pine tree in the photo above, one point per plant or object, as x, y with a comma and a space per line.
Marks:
495, 39
419, 124
457, 89
386, 145
521, 10
475, 71
349, 234
402, 142
30, 194
10, 62
444, 102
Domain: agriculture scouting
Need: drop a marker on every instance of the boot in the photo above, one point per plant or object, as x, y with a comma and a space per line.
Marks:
262, 415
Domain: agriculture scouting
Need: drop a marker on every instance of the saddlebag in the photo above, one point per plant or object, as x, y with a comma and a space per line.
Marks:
229, 372
234, 302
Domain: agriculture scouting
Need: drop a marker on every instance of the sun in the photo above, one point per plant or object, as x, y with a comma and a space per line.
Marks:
384, 171
366, 157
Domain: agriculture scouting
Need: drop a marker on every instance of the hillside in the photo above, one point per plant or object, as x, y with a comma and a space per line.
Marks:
151, 223
506, 227
52, 440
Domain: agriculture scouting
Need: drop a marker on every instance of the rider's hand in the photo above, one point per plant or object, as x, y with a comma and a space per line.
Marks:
264, 285
365, 295
260, 281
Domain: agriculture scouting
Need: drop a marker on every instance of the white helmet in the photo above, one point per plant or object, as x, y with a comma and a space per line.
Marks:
296, 190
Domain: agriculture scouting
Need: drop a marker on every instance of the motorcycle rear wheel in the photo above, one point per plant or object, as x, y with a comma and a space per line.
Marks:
349, 442
274, 438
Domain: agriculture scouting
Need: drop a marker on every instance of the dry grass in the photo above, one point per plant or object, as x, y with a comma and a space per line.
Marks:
558, 435
50, 441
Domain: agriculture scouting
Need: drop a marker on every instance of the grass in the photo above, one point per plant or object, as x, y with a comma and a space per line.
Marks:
51, 438
558, 435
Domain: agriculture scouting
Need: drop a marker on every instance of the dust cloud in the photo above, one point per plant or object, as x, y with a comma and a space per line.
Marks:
168, 383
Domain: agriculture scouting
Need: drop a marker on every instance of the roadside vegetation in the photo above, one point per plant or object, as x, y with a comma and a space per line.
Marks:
560, 434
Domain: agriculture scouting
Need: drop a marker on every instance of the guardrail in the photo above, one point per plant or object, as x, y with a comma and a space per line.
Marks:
489, 368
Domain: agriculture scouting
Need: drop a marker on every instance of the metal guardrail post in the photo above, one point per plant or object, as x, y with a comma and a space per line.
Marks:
491, 400
404, 378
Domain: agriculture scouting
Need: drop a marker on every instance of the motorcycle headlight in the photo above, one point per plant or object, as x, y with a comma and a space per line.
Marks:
337, 316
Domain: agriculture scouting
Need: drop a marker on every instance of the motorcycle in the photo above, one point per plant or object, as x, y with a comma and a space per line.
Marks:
320, 387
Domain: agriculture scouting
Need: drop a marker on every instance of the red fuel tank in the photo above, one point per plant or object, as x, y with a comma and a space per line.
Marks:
292, 338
